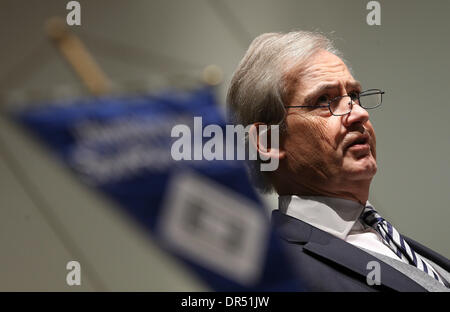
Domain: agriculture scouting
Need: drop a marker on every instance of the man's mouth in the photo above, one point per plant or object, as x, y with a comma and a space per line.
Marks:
360, 142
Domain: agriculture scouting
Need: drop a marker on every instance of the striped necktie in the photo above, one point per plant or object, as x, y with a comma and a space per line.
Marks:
395, 241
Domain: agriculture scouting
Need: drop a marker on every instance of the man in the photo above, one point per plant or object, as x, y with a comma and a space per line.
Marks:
327, 159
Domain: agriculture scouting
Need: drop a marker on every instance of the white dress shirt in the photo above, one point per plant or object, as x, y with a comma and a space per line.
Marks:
337, 216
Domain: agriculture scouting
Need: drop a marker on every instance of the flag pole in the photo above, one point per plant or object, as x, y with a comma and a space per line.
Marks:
76, 54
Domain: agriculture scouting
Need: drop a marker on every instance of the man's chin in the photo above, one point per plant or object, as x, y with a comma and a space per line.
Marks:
362, 168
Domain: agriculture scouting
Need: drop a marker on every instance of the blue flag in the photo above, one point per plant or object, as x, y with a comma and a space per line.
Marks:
204, 212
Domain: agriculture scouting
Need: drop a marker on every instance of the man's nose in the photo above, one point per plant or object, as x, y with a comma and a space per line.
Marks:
357, 115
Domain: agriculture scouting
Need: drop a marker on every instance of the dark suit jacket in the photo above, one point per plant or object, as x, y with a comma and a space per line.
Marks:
324, 262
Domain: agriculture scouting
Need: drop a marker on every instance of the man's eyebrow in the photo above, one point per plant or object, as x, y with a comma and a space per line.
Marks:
327, 86
353, 84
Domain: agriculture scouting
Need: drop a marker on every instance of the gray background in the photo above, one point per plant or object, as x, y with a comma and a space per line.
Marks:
48, 218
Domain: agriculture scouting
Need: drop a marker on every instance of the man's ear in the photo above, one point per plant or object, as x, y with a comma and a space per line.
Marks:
263, 139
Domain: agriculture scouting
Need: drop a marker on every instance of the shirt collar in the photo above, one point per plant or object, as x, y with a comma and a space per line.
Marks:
336, 216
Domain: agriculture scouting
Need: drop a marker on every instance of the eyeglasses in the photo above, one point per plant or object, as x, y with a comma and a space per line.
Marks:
342, 105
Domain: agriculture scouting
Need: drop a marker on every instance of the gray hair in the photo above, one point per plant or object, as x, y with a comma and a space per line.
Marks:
260, 87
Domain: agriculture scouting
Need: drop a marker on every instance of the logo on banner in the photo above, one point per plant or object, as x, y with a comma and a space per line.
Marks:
212, 226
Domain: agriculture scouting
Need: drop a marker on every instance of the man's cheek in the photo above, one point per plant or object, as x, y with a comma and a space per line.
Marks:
373, 145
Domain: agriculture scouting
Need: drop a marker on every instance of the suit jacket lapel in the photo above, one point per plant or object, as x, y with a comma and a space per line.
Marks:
340, 252
429, 254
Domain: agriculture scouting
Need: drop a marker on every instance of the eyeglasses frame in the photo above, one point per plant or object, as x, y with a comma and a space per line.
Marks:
361, 94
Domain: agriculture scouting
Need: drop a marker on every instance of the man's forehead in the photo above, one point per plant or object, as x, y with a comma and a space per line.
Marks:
326, 65
325, 71
324, 57
321, 72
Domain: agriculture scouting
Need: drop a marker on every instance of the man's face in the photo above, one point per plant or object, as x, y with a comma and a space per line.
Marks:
320, 149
